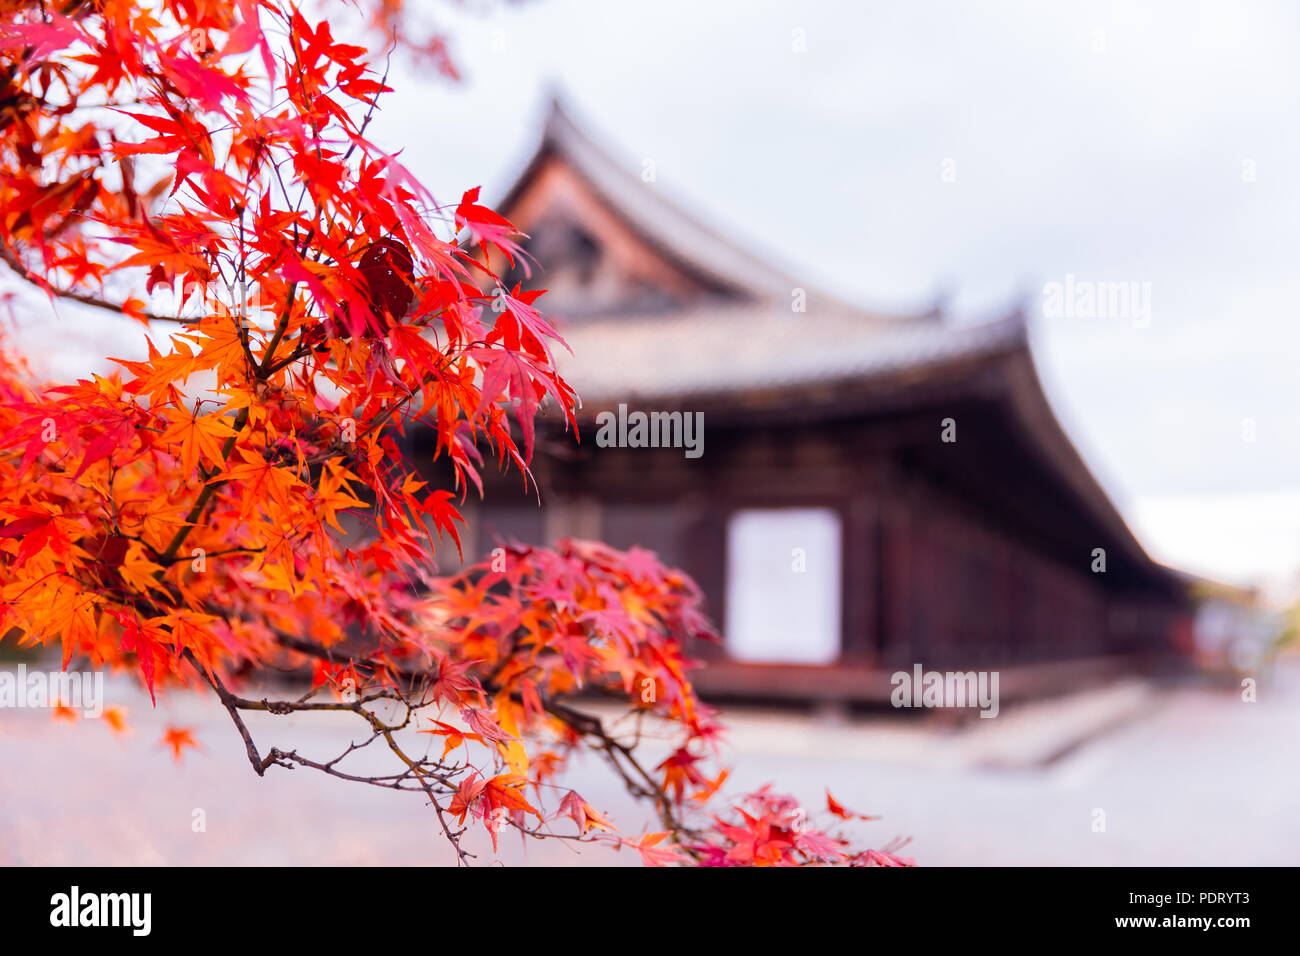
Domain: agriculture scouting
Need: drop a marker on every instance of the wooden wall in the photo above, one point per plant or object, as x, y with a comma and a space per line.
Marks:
931, 574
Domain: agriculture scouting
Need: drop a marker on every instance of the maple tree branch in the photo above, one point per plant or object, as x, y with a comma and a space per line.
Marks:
463, 856
636, 778
416, 770
514, 653
18, 268
281, 326
227, 700
647, 786
389, 782
300, 351
201, 502
241, 419
225, 552
638, 781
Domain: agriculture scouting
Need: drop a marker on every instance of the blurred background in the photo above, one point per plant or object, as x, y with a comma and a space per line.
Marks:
830, 228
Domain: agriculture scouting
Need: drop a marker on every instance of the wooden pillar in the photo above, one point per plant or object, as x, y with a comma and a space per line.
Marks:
860, 641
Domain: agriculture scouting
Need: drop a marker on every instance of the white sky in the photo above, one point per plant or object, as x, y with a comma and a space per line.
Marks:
1103, 140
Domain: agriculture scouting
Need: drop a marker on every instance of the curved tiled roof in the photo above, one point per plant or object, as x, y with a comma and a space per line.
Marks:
660, 221
722, 349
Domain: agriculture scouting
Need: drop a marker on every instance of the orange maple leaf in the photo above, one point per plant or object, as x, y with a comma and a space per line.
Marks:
504, 789
454, 736
835, 807
116, 718
178, 738
467, 794
200, 437
583, 813
654, 855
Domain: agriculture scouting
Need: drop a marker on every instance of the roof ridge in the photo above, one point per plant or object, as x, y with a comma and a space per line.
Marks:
564, 131
664, 220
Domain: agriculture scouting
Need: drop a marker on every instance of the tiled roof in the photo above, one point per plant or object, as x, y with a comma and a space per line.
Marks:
728, 349
660, 220
747, 338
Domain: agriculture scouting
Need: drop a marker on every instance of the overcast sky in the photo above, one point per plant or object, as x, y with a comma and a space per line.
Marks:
977, 151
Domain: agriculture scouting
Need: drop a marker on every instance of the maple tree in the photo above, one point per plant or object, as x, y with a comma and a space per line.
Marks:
237, 500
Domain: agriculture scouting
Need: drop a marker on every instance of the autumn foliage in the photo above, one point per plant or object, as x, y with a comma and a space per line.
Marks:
239, 500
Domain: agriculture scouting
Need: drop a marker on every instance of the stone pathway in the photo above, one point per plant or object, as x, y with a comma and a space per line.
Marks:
1185, 776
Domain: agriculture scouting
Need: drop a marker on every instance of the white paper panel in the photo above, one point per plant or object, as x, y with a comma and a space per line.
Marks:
776, 612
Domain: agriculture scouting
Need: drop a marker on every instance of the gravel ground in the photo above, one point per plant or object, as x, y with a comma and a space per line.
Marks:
1185, 776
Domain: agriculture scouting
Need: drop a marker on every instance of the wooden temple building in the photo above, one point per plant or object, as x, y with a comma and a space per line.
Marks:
872, 491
